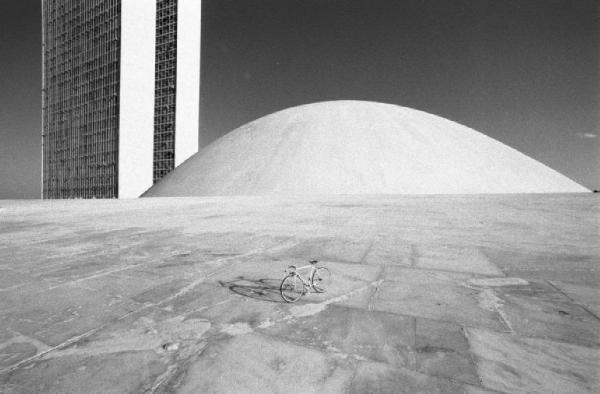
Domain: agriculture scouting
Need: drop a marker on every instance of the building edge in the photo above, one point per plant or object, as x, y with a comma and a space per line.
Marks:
136, 107
187, 110
42, 93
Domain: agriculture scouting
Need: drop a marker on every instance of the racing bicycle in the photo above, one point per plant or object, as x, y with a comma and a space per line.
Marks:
294, 285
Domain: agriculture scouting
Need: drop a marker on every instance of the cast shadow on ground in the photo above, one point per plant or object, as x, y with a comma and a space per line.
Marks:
263, 289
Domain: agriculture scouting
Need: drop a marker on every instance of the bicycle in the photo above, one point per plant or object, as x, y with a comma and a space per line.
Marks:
294, 286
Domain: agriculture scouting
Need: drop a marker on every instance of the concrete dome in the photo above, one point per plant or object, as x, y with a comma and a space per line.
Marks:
357, 147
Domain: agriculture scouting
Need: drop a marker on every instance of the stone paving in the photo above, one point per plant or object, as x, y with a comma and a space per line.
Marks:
470, 294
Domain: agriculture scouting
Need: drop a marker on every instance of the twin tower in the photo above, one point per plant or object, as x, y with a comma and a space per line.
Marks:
120, 94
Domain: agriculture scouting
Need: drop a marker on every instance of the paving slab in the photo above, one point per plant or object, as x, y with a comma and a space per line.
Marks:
54, 316
327, 248
539, 310
108, 373
442, 350
252, 364
391, 249
18, 348
381, 378
511, 363
536, 262
352, 332
10, 279
436, 295
586, 296
429, 294
260, 277
453, 258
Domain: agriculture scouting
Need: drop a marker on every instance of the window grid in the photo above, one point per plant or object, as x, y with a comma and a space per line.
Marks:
80, 98
165, 88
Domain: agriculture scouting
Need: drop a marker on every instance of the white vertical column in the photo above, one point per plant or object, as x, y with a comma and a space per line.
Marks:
187, 110
136, 106
44, 140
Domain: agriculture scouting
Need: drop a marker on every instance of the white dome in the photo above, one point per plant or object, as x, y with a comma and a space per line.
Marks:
357, 147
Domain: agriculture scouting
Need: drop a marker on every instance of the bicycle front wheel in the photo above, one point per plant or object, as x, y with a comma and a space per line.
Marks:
321, 279
291, 288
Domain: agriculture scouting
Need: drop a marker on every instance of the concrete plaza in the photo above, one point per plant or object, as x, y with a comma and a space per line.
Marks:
481, 293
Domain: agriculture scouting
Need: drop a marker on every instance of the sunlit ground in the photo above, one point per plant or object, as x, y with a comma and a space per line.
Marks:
431, 293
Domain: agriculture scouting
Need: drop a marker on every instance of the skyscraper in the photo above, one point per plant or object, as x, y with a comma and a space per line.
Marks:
120, 94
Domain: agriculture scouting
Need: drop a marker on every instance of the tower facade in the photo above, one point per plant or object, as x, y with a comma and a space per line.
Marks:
110, 116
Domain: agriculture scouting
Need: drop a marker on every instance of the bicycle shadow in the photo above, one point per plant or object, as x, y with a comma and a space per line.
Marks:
263, 289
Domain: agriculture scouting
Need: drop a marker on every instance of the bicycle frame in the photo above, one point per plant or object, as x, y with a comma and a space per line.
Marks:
294, 271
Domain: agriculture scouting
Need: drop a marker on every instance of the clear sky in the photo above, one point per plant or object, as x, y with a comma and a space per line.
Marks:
525, 72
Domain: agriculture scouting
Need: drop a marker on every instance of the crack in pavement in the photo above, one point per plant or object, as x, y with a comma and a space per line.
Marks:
92, 331
373, 296
97, 275
572, 300
308, 309
367, 252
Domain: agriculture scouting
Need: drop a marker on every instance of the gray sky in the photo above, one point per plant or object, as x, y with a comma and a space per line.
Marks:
523, 72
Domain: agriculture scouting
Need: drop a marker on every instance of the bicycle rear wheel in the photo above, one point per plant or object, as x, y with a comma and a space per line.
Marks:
291, 288
321, 279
